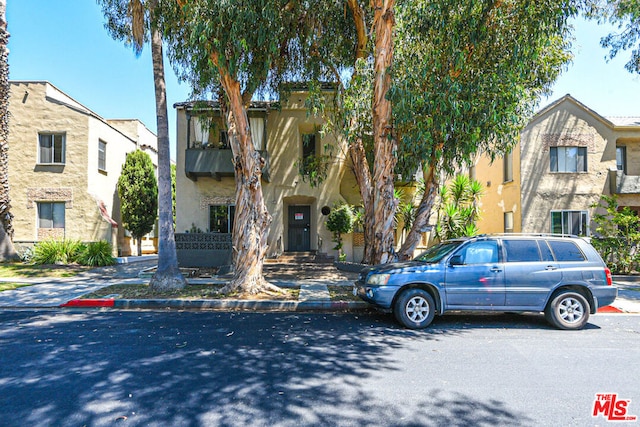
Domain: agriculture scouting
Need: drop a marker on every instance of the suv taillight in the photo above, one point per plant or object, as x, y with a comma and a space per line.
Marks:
607, 273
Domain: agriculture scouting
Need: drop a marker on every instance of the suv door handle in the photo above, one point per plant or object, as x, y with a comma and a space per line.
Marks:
496, 269
551, 267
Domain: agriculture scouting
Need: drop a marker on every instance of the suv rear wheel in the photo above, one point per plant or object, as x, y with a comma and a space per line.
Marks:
414, 308
568, 310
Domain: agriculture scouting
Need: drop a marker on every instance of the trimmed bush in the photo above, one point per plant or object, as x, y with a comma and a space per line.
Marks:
97, 254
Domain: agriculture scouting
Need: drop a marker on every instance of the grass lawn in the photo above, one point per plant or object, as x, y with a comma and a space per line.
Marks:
12, 286
190, 292
18, 269
342, 293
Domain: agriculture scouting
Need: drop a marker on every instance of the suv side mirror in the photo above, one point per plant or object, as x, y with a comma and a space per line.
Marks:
456, 260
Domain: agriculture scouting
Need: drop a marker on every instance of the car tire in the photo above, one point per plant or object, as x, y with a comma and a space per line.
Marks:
568, 310
414, 309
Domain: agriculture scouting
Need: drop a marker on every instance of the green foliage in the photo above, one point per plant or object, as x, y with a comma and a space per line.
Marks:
313, 169
617, 235
468, 74
73, 251
96, 254
57, 251
626, 15
339, 222
459, 209
138, 191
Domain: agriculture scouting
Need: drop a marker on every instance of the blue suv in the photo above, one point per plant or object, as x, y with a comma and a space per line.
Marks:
562, 276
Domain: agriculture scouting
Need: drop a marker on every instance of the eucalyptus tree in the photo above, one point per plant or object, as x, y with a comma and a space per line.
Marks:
468, 76
363, 45
626, 15
235, 49
7, 250
136, 22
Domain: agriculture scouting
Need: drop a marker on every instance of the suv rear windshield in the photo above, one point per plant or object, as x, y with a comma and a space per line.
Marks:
437, 252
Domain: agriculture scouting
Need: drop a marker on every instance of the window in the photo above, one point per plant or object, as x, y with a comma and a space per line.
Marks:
521, 250
51, 215
51, 148
508, 222
308, 145
480, 252
621, 158
568, 159
102, 155
570, 222
507, 167
566, 251
221, 218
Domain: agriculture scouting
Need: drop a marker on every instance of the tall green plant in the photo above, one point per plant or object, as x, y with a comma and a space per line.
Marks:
138, 191
459, 208
617, 235
339, 222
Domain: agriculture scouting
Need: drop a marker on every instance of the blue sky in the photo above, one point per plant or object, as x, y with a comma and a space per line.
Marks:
65, 43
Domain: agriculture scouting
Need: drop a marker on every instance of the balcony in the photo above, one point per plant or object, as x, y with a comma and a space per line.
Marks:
216, 163
624, 184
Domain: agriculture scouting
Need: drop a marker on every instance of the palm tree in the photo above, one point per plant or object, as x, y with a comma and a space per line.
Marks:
7, 251
135, 22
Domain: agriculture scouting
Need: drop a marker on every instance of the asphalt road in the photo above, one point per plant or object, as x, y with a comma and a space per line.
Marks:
106, 368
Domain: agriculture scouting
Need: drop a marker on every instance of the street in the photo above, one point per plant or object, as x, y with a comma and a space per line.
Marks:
170, 368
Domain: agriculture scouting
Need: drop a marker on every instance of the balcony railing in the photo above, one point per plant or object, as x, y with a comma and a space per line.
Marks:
216, 163
624, 184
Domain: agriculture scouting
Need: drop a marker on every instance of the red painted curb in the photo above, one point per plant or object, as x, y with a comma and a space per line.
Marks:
89, 303
609, 309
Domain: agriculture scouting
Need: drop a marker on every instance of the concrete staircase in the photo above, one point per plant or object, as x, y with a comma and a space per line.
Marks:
312, 257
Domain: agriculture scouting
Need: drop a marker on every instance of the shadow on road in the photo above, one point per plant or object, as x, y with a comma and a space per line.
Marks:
180, 368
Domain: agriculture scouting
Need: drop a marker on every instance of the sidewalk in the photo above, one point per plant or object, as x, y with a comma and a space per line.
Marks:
311, 278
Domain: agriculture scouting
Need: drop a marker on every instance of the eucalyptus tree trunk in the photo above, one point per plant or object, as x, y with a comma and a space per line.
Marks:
7, 251
252, 219
357, 151
422, 214
385, 145
167, 275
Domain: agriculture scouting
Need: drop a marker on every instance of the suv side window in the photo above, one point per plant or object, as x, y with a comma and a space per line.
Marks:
566, 251
545, 251
521, 250
482, 252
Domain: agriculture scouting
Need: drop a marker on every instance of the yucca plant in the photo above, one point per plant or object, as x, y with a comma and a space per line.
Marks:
56, 251
97, 254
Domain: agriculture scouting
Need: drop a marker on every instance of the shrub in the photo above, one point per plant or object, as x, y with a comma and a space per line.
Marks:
340, 221
57, 251
97, 254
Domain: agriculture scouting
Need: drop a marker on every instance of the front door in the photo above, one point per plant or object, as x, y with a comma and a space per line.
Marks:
299, 228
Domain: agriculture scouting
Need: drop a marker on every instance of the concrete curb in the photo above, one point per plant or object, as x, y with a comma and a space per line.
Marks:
262, 305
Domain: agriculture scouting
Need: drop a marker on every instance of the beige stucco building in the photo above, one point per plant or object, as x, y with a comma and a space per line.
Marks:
286, 136
570, 157
64, 164
500, 202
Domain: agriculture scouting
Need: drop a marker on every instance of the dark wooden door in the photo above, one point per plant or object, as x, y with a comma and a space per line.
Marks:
299, 228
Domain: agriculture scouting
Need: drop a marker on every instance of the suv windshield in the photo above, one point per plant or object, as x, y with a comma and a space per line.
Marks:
437, 252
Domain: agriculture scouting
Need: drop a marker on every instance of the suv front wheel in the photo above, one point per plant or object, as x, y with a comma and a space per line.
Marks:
568, 310
414, 308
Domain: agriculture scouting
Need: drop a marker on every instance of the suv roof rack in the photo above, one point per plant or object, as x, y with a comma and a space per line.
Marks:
528, 234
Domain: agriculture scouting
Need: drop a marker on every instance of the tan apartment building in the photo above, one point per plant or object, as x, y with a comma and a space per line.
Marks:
570, 157
64, 164
287, 137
